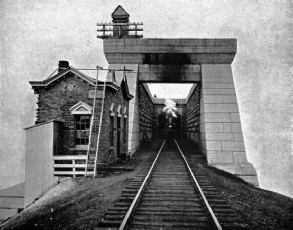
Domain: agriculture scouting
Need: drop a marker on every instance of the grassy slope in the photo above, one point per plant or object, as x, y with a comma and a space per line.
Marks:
84, 206
261, 209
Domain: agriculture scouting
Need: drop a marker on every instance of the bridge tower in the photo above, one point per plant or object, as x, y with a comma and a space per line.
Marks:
204, 62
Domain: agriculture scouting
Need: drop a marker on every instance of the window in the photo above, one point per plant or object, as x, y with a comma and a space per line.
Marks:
82, 119
112, 114
125, 125
82, 129
124, 130
111, 130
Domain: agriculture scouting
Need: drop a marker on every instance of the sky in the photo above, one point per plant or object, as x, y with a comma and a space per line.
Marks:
169, 90
36, 34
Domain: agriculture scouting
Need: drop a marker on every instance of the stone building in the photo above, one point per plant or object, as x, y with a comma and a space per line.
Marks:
58, 144
68, 98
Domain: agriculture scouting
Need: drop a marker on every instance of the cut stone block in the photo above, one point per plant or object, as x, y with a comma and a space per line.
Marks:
230, 99
235, 117
217, 117
238, 137
212, 80
219, 137
213, 145
213, 127
239, 157
225, 157
218, 85
227, 79
236, 128
219, 91
233, 146
212, 157
213, 99
220, 108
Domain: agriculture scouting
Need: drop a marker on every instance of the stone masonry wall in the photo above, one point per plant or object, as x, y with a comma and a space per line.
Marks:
220, 128
146, 108
118, 99
55, 101
192, 115
133, 128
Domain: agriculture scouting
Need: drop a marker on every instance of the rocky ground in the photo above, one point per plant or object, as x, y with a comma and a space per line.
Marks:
84, 205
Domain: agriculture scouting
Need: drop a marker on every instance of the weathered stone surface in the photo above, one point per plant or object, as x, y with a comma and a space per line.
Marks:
230, 99
217, 117
219, 137
213, 145
193, 114
233, 146
213, 114
169, 73
212, 99
221, 133
236, 127
212, 85
225, 157
189, 51
133, 130
212, 127
146, 110
239, 157
219, 91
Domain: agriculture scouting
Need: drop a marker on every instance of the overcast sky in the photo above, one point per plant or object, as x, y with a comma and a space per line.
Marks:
35, 35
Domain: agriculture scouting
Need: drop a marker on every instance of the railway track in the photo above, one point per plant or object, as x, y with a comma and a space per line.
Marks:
169, 193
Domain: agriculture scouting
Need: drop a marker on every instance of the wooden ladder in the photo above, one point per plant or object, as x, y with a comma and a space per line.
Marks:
93, 149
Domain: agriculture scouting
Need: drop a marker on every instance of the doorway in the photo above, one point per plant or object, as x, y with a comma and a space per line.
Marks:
118, 137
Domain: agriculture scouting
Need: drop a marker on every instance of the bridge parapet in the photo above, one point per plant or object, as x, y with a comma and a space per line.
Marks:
170, 51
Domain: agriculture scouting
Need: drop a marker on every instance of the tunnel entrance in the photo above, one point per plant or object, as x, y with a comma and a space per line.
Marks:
153, 118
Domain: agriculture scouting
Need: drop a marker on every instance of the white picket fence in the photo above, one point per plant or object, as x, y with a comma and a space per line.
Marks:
72, 167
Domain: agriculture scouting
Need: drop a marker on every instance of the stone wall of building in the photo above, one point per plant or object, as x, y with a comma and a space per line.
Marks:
146, 109
132, 80
55, 101
117, 99
192, 114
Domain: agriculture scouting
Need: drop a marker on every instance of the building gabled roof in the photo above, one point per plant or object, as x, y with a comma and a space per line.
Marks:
120, 12
125, 89
45, 83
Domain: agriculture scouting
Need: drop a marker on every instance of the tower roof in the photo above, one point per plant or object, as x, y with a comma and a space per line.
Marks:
119, 12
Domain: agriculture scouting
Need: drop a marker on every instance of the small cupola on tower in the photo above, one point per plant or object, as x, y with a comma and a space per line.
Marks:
120, 26
120, 15
120, 19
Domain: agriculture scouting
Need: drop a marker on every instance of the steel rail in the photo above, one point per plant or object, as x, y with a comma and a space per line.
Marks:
130, 210
201, 192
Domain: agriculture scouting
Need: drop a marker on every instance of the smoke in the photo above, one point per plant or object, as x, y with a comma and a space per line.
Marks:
170, 108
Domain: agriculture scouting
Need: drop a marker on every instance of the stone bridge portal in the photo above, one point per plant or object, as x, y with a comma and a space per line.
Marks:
209, 115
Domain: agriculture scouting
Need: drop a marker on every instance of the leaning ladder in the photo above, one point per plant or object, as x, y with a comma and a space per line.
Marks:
92, 155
